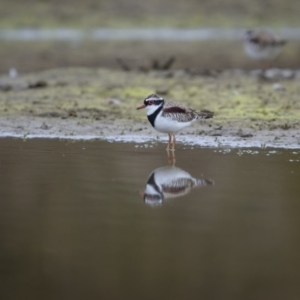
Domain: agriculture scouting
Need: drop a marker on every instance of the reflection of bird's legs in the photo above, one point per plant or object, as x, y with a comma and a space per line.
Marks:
168, 149
169, 142
171, 157
174, 142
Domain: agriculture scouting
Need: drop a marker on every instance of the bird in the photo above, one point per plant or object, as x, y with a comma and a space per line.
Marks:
169, 117
170, 182
263, 45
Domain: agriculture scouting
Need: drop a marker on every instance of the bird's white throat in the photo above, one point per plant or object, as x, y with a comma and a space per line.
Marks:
151, 109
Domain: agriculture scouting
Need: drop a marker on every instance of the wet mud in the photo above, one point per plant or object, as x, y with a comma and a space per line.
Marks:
100, 103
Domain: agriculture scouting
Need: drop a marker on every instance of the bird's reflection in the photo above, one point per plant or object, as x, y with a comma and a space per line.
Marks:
171, 156
170, 182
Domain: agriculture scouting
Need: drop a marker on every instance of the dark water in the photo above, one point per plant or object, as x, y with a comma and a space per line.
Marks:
74, 223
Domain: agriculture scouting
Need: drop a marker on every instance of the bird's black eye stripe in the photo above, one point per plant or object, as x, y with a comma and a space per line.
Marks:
156, 102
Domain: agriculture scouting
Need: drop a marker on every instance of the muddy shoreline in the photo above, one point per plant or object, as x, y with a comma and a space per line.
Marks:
27, 127
100, 104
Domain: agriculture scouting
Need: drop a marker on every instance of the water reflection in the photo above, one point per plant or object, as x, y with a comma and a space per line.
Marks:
72, 227
170, 182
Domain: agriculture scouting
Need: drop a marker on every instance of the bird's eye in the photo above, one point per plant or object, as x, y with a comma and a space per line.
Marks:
150, 102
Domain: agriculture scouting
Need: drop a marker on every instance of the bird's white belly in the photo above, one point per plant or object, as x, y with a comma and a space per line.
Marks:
266, 52
167, 125
166, 175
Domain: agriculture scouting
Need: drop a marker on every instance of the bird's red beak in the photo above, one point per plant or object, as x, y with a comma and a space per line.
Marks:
143, 106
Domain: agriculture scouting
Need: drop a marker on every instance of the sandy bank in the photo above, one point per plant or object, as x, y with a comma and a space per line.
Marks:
89, 103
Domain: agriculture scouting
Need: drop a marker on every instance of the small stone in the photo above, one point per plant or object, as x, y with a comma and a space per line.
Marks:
278, 87
272, 73
246, 135
72, 113
256, 73
45, 126
38, 84
5, 87
288, 73
114, 101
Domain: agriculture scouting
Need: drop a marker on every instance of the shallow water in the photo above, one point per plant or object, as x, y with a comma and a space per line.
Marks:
78, 221
104, 34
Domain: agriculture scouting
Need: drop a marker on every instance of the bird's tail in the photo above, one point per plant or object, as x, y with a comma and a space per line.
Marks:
203, 182
205, 114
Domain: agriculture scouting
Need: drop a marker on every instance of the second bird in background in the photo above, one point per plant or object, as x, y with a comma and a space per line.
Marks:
263, 45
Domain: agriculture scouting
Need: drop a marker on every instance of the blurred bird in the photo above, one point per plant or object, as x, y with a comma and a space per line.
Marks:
170, 182
263, 45
169, 117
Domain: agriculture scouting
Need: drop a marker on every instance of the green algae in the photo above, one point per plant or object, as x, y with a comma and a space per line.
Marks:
108, 95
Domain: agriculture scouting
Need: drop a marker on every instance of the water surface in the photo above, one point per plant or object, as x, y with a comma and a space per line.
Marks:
75, 224
104, 34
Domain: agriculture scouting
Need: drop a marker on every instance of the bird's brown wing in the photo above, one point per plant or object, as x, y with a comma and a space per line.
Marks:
264, 38
179, 113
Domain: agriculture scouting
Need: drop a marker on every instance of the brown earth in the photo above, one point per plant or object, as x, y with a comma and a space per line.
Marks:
100, 103
220, 55
30, 57
155, 13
